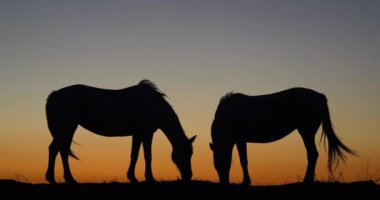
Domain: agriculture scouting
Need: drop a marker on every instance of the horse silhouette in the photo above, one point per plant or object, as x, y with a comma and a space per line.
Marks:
241, 118
136, 111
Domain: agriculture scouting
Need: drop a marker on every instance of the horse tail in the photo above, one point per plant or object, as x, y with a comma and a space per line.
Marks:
336, 148
51, 121
71, 153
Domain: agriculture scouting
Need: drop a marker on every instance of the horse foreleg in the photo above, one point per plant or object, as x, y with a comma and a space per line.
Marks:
136, 143
147, 144
224, 159
53, 151
242, 149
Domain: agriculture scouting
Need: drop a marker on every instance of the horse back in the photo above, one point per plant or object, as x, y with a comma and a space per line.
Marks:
107, 112
266, 118
294, 99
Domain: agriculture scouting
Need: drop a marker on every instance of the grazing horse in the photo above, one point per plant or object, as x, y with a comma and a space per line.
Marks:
262, 119
136, 111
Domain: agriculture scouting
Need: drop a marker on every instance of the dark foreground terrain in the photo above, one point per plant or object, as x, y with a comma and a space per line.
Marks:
196, 190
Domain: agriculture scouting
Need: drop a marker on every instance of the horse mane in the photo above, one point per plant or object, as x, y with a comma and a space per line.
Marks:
151, 85
226, 96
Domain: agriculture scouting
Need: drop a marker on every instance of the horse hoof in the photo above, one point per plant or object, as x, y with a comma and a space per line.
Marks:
133, 179
246, 183
224, 183
308, 181
151, 180
51, 180
70, 181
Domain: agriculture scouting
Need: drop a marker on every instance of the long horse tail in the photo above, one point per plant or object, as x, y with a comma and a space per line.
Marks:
336, 148
51, 121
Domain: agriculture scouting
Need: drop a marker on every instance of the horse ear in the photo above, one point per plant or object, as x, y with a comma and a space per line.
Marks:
211, 146
191, 140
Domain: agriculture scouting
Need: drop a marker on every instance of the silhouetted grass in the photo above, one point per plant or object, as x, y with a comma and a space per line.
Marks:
10, 189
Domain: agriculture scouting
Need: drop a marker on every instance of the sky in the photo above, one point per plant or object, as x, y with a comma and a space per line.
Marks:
194, 51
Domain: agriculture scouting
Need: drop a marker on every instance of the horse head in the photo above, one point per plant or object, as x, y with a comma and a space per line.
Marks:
181, 156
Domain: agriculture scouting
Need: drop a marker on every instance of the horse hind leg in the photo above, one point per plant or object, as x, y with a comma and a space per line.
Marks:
53, 151
66, 167
308, 136
64, 141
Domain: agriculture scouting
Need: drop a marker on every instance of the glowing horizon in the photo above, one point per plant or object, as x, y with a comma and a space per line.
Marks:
195, 52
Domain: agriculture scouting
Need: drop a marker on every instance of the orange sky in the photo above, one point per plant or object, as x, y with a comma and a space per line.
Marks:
195, 51
24, 151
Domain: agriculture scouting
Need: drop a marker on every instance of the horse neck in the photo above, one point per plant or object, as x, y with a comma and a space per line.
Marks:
173, 130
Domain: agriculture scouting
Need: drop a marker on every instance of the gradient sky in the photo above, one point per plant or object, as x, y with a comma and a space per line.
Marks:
195, 51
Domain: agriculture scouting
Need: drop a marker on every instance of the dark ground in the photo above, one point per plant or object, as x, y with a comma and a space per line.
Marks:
195, 190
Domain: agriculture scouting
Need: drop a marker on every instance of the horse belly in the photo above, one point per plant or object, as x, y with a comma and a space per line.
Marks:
109, 124
266, 134
106, 129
